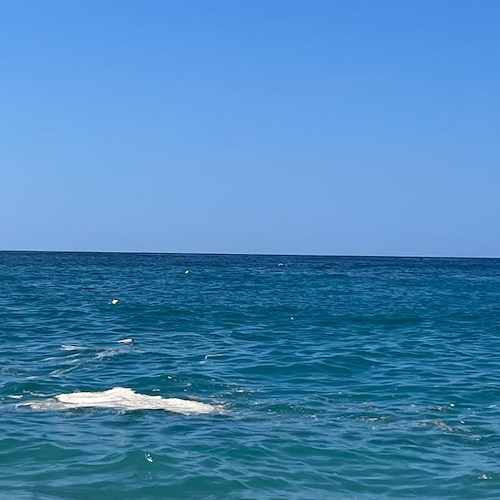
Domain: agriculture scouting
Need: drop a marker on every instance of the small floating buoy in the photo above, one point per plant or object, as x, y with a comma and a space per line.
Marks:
187, 271
115, 301
125, 341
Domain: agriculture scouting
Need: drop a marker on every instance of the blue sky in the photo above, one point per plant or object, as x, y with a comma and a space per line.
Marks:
321, 127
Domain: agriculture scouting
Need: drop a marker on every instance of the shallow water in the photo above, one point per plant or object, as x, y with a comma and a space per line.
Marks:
333, 377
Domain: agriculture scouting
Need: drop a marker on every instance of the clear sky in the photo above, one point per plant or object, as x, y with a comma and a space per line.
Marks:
256, 126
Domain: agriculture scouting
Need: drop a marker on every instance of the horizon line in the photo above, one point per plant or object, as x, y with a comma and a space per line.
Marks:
255, 254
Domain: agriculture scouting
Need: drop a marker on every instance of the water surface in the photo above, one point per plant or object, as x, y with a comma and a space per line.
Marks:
334, 377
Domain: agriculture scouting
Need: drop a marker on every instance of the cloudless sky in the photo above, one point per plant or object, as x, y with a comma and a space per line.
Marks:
256, 126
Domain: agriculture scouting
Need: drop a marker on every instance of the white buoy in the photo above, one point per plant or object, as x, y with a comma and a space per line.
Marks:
187, 271
115, 301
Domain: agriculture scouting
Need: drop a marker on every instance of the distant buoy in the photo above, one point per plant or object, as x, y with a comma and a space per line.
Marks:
115, 301
187, 271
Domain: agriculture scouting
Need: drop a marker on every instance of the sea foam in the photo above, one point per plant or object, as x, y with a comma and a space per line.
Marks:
123, 398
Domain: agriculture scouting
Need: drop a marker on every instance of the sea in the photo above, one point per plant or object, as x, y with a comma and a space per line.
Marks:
184, 376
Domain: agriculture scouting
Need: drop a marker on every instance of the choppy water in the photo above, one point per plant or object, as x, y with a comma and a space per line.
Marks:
331, 377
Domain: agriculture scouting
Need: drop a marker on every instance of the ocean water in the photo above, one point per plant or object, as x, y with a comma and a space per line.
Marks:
322, 377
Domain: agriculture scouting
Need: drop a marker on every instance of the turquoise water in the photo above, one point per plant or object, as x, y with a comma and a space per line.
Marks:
332, 377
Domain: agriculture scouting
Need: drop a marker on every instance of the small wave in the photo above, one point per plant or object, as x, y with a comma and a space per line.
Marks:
110, 353
123, 398
68, 347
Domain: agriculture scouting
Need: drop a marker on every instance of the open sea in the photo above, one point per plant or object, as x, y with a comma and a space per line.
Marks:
322, 377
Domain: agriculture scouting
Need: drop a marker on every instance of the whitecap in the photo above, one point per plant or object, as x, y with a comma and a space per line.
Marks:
68, 347
124, 398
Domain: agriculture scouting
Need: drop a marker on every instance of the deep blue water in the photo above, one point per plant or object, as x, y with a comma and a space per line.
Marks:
337, 377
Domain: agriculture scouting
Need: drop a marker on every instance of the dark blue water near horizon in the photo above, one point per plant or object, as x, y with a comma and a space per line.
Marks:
333, 377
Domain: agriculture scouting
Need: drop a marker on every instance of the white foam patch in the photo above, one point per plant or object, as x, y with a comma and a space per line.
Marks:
123, 398
67, 347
